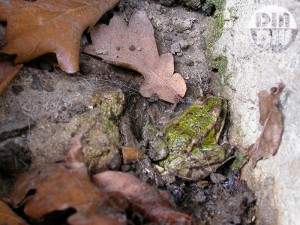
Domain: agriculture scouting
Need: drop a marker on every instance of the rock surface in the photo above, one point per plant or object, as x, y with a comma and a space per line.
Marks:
250, 70
100, 134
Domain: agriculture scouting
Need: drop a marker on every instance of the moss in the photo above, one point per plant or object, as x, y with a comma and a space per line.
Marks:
167, 2
238, 161
210, 5
109, 102
220, 65
215, 30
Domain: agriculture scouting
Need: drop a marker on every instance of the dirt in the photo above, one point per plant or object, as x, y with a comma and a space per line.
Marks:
44, 108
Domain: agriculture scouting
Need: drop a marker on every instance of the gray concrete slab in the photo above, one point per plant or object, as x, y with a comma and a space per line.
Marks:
254, 66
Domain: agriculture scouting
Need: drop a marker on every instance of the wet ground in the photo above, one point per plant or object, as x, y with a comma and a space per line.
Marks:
44, 108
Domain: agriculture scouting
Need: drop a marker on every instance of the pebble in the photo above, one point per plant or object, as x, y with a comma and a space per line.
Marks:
217, 178
175, 48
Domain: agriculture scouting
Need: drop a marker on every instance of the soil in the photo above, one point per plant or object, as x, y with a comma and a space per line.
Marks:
44, 108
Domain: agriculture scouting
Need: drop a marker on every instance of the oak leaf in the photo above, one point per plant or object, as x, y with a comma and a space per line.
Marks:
8, 217
64, 185
7, 72
133, 46
271, 119
35, 28
153, 204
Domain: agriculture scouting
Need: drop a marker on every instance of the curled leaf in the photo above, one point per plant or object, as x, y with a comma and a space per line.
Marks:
131, 154
133, 46
8, 217
271, 119
153, 204
67, 185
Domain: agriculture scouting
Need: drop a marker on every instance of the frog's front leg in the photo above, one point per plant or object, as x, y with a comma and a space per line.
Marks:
197, 164
192, 144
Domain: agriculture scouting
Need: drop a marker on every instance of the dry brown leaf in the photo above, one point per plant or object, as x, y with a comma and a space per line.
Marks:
134, 47
67, 185
35, 28
131, 154
7, 72
154, 205
8, 217
271, 119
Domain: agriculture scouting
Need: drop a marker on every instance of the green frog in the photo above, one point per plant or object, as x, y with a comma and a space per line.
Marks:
192, 140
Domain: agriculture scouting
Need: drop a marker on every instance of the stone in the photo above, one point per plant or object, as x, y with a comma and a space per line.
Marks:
100, 135
252, 68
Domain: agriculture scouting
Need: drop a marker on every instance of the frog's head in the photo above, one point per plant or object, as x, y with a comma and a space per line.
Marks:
211, 105
216, 109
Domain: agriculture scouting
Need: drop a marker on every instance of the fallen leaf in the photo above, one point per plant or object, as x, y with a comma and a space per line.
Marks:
75, 156
8, 217
271, 119
134, 47
131, 154
7, 72
153, 204
64, 185
35, 28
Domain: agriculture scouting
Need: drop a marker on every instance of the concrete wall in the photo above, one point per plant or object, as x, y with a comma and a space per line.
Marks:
251, 69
